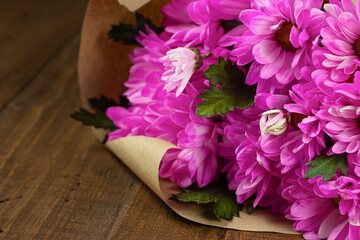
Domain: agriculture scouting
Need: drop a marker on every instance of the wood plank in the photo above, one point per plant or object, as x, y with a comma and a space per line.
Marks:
31, 32
57, 179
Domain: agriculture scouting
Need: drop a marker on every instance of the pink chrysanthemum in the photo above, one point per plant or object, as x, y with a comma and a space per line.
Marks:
255, 170
191, 24
252, 172
280, 36
342, 116
306, 137
228, 9
179, 64
130, 121
323, 211
143, 83
173, 119
198, 139
160, 114
341, 39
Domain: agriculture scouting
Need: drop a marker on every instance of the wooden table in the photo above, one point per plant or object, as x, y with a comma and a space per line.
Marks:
56, 180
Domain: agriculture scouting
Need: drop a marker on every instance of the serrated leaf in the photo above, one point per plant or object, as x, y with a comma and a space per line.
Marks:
225, 206
232, 93
101, 104
126, 33
216, 72
142, 22
327, 166
91, 119
199, 197
216, 102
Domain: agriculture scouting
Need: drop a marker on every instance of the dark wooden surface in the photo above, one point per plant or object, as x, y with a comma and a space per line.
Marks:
56, 180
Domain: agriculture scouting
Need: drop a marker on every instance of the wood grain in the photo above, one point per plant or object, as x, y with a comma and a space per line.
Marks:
32, 32
56, 180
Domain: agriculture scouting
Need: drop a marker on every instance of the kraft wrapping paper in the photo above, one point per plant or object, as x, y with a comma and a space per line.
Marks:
143, 156
133, 5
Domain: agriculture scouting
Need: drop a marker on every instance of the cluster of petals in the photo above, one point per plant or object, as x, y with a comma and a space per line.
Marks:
304, 57
323, 211
279, 37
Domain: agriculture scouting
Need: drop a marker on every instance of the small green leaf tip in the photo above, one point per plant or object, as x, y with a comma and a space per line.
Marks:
327, 166
102, 103
224, 207
227, 90
126, 33
95, 120
99, 119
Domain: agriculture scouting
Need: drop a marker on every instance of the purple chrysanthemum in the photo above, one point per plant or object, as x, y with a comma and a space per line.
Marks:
341, 39
342, 116
280, 36
180, 64
228, 9
191, 23
323, 211
252, 172
198, 139
306, 138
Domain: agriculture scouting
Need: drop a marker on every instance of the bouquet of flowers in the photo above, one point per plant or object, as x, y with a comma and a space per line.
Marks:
261, 98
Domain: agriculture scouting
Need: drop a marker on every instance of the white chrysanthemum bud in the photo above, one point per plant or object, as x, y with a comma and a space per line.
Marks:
179, 65
274, 122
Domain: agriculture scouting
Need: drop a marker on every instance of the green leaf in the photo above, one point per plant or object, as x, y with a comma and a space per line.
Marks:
226, 208
142, 22
216, 102
216, 73
126, 33
225, 205
100, 105
91, 119
327, 166
232, 92
229, 25
198, 196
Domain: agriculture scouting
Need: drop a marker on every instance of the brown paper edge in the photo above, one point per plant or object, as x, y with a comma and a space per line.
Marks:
143, 156
133, 5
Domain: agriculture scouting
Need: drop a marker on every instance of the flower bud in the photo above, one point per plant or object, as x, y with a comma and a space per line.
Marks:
274, 122
179, 65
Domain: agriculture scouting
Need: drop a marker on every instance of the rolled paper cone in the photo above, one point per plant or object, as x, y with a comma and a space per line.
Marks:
143, 156
103, 69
